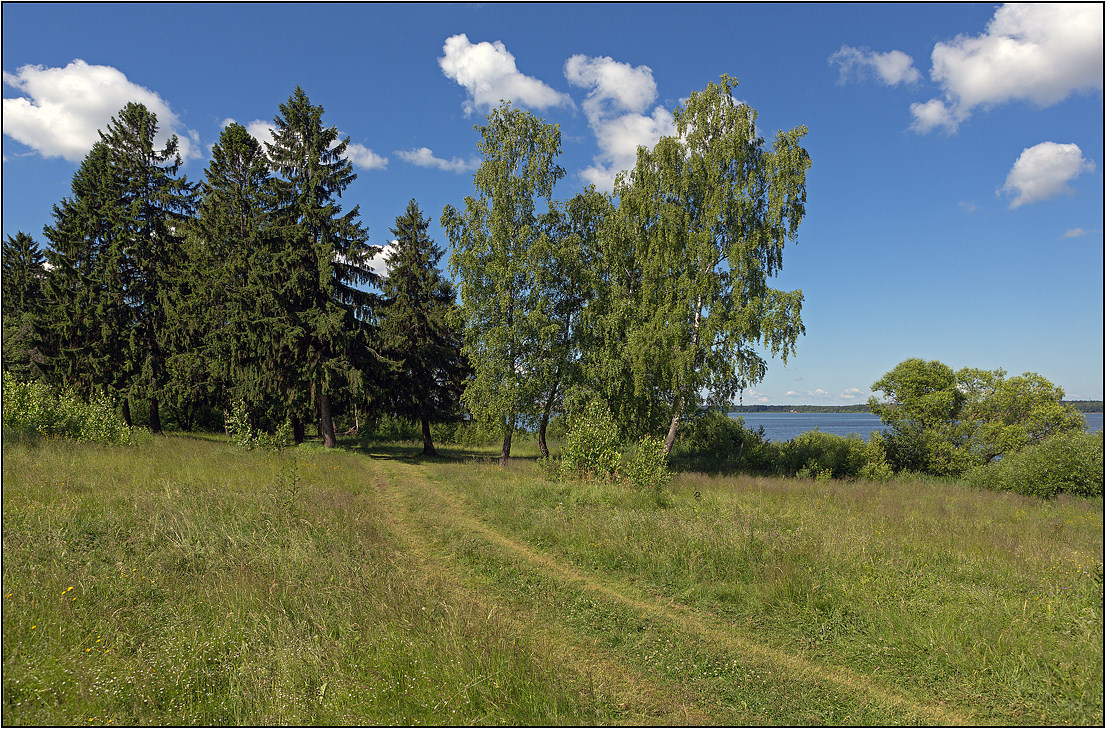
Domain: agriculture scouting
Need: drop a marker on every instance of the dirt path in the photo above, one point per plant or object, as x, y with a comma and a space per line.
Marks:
633, 696
407, 482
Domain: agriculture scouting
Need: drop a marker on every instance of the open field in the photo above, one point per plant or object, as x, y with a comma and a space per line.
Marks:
185, 581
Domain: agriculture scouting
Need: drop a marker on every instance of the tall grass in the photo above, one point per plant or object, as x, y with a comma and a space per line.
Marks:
990, 601
186, 582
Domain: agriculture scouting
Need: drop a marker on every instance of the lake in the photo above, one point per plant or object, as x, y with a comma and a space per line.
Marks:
785, 426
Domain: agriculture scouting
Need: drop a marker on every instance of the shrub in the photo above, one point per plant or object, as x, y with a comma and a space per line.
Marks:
591, 446
1069, 463
646, 466
815, 454
714, 436
876, 467
243, 433
37, 408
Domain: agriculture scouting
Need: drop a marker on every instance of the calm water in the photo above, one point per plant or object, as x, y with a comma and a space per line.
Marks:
785, 426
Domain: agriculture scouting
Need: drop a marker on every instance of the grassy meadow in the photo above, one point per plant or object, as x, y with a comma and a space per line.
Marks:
187, 581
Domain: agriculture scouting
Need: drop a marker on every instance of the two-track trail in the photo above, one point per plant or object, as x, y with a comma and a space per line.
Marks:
605, 631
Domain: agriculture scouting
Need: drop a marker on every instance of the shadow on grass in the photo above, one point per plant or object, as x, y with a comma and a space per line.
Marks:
412, 454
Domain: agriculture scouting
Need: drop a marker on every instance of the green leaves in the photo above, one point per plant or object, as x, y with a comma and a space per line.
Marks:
500, 249
945, 423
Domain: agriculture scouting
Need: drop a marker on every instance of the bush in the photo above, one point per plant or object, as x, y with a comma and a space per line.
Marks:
646, 466
816, 454
36, 408
1069, 463
714, 436
591, 448
876, 467
243, 433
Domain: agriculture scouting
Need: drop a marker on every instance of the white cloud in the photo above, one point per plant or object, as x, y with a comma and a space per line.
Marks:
489, 74
1078, 233
852, 393
791, 393
262, 131
363, 157
63, 108
424, 157
1040, 53
1044, 171
755, 396
968, 206
931, 115
380, 263
891, 68
618, 94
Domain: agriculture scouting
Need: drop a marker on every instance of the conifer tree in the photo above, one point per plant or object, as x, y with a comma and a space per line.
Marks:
83, 331
227, 324
325, 255
417, 327
21, 302
155, 205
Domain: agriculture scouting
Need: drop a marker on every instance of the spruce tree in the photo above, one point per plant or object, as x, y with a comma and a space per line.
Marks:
228, 327
156, 205
419, 308
325, 254
21, 302
83, 331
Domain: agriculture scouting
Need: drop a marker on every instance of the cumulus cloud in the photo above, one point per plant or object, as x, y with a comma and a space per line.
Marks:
424, 157
618, 97
260, 130
489, 74
380, 263
62, 109
861, 64
1040, 53
852, 393
363, 157
1044, 171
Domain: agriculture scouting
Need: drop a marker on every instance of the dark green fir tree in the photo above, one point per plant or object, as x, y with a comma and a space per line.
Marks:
418, 330
325, 258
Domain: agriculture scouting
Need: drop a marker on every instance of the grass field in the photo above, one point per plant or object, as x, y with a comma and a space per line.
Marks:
185, 581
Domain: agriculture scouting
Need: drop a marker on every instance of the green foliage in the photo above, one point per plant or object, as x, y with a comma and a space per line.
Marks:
591, 448
815, 454
944, 422
325, 256
683, 300
713, 436
876, 467
645, 466
1069, 463
35, 407
21, 302
244, 433
419, 328
500, 253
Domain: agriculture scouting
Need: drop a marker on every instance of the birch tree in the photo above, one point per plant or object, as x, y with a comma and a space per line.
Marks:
500, 245
703, 220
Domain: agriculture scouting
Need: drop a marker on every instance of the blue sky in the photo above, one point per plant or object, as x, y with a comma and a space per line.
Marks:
954, 202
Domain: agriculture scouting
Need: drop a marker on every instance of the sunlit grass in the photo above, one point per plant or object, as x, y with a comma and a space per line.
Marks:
186, 581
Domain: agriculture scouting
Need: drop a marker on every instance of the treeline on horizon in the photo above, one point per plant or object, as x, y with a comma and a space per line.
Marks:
1083, 406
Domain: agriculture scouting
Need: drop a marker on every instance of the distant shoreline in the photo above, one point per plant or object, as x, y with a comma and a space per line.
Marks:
1083, 406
